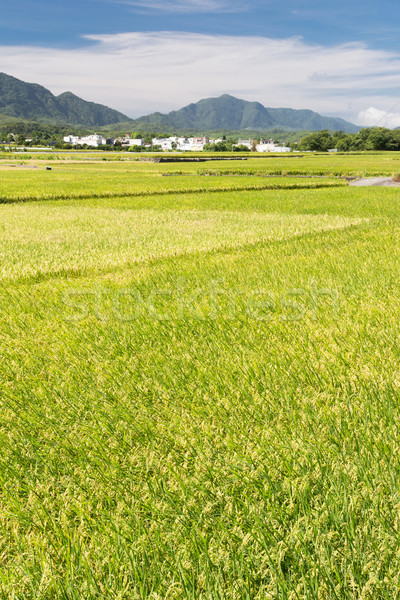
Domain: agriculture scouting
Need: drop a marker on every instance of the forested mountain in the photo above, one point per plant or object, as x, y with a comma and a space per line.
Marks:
30, 101
228, 112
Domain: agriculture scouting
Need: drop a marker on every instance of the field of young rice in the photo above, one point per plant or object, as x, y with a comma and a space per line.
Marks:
199, 390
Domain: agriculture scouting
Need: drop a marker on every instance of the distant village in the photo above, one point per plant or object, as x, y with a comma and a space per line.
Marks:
173, 143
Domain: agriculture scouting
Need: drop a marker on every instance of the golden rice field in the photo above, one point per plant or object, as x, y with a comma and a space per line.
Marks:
199, 379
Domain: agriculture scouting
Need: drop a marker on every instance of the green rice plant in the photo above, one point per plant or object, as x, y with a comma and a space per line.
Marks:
68, 239
200, 395
63, 184
307, 164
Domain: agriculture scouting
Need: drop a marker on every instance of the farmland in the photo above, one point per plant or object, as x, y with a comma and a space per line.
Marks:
199, 379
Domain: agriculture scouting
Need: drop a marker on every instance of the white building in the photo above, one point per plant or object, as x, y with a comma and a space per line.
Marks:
181, 144
185, 146
71, 139
281, 149
200, 141
269, 146
247, 143
94, 140
128, 142
164, 143
265, 146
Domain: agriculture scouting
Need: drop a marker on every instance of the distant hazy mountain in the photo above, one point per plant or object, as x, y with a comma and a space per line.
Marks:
30, 101
227, 112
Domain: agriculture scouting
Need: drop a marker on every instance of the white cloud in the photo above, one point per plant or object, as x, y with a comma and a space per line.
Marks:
138, 73
188, 6
374, 117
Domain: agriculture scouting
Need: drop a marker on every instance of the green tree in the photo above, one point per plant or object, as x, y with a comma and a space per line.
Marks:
218, 147
241, 148
320, 141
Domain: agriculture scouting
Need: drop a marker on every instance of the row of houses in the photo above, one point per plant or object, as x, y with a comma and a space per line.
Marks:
182, 144
95, 140
197, 144
263, 146
170, 143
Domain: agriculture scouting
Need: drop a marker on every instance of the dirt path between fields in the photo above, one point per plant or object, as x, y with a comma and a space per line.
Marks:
375, 181
11, 167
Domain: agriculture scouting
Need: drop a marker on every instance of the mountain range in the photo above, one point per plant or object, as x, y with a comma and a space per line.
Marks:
31, 101
228, 112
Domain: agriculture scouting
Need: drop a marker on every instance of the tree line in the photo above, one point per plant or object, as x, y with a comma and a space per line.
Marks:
370, 138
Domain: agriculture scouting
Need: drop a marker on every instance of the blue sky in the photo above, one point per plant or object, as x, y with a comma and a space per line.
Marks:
62, 24
340, 58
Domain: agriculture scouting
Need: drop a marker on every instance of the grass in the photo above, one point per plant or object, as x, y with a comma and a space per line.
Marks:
200, 396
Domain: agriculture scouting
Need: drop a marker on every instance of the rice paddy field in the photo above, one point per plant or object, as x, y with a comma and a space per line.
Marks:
199, 379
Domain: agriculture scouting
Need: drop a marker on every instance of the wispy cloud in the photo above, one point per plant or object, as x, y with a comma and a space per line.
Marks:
188, 6
138, 73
